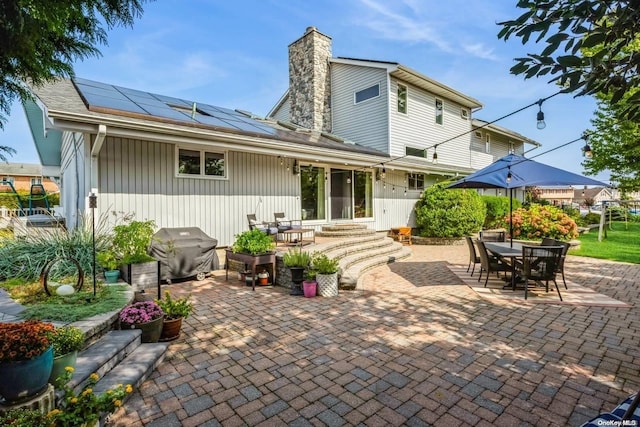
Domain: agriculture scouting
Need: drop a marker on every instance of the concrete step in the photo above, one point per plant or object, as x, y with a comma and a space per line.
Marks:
345, 230
368, 260
359, 246
135, 368
347, 242
103, 355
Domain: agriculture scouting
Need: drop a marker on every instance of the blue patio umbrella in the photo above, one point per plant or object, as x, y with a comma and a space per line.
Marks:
514, 171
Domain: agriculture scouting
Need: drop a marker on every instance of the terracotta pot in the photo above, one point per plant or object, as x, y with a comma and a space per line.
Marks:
171, 329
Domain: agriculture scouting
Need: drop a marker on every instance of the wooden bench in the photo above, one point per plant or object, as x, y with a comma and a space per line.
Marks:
400, 234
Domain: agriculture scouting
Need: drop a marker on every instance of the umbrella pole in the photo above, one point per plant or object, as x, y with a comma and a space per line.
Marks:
511, 216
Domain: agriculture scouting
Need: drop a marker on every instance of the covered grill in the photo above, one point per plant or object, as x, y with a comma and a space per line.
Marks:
184, 252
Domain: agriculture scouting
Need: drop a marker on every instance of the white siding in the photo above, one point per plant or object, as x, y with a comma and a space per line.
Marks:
139, 177
73, 184
499, 148
283, 113
365, 123
418, 128
392, 207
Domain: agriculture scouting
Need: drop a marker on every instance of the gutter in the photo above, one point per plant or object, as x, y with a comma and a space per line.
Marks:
100, 137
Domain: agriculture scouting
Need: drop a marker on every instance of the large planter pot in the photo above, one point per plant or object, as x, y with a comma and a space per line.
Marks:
61, 362
327, 284
111, 276
171, 329
143, 275
309, 289
151, 331
297, 277
24, 379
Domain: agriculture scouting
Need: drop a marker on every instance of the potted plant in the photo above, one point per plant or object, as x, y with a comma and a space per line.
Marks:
251, 249
263, 278
85, 407
144, 315
297, 261
131, 241
174, 309
108, 260
327, 274
26, 359
21, 417
309, 286
66, 341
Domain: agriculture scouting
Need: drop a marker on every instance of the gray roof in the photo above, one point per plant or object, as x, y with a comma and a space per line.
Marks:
20, 169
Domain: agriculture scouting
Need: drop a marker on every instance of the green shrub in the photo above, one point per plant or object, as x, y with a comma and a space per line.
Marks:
131, 241
441, 212
497, 208
588, 219
253, 242
24, 418
542, 221
322, 264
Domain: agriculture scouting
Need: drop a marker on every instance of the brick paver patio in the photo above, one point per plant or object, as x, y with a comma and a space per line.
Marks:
413, 347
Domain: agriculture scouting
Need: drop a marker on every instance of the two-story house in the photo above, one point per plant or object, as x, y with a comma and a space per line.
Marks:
350, 141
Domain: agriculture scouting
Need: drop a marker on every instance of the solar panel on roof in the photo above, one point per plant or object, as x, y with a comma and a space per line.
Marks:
98, 94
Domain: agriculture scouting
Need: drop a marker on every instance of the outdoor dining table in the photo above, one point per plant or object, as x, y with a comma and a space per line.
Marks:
511, 250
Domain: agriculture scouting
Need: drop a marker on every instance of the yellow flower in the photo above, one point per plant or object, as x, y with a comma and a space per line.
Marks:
54, 412
73, 400
94, 376
128, 388
87, 391
69, 368
117, 403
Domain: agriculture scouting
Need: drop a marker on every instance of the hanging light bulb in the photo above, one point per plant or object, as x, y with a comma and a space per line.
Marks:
541, 124
405, 191
383, 174
349, 180
281, 160
434, 159
393, 190
509, 176
586, 150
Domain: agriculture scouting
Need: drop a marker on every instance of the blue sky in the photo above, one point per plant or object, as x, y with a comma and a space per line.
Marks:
234, 54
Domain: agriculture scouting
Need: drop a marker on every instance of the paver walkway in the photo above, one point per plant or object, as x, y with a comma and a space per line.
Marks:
413, 346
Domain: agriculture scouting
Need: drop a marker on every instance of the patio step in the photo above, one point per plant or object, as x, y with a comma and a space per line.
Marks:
358, 250
118, 357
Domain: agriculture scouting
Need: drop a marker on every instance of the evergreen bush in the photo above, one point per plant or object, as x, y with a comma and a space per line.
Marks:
497, 208
441, 212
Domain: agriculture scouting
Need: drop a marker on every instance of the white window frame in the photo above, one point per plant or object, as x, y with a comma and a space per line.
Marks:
414, 177
487, 143
36, 181
478, 134
464, 113
439, 114
424, 151
406, 99
8, 179
355, 97
202, 152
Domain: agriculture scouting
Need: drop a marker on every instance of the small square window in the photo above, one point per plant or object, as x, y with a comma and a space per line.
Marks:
36, 181
6, 180
478, 134
464, 113
415, 181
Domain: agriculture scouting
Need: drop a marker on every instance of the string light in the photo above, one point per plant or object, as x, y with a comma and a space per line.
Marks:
540, 117
509, 176
586, 150
434, 160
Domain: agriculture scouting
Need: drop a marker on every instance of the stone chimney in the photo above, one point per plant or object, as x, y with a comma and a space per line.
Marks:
310, 81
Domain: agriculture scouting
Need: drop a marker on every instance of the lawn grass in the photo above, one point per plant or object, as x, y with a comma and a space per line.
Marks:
621, 244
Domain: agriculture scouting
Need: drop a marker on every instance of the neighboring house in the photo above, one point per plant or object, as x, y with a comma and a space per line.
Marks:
350, 141
596, 194
22, 176
558, 195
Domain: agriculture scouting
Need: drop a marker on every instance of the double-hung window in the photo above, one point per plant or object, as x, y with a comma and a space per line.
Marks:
402, 99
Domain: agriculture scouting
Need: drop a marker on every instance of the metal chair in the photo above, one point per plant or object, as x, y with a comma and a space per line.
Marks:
269, 228
540, 264
490, 264
548, 241
473, 256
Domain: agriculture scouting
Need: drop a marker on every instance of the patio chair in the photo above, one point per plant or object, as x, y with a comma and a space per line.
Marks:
489, 263
473, 255
492, 236
548, 241
540, 264
283, 223
269, 228
627, 410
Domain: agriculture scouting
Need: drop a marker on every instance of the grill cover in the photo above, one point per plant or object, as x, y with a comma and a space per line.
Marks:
184, 252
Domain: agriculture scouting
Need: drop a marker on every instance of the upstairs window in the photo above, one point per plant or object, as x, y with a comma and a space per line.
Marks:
193, 163
368, 93
439, 111
487, 143
402, 99
415, 152
464, 113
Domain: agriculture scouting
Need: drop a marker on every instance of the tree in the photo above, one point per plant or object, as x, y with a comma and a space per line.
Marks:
40, 40
576, 26
616, 142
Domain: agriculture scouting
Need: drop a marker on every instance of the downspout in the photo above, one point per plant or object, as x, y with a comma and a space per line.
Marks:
95, 150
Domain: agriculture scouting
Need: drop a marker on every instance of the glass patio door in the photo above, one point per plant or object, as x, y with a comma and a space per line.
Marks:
341, 194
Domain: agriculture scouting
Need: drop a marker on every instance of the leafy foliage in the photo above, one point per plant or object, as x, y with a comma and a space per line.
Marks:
591, 38
24, 417
253, 242
322, 264
540, 221
174, 308
441, 212
66, 339
10, 201
497, 208
131, 240
40, 42
296, 257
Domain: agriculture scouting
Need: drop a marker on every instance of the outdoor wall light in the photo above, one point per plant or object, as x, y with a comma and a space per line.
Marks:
541, 124
296, 167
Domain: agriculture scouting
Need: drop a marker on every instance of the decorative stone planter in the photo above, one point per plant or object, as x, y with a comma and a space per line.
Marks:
143, 275
327, 284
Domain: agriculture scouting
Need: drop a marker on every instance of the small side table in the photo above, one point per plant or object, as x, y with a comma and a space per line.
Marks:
401, 234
